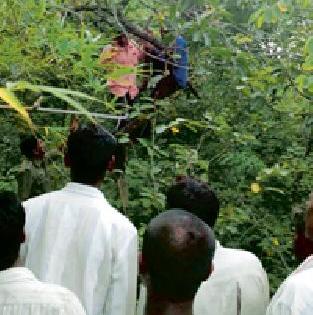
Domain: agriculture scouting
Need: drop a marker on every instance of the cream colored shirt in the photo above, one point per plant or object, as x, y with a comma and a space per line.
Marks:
237, 286
75, 238
294, 297
22, 294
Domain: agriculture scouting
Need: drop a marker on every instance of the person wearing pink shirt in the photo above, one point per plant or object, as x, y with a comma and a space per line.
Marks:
123, 53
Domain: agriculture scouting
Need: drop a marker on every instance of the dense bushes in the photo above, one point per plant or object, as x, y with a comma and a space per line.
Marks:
249, 135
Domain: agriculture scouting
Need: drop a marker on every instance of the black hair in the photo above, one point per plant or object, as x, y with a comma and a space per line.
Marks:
28, 144
12, 221
89, 150
121, 40
196, 197
178, 249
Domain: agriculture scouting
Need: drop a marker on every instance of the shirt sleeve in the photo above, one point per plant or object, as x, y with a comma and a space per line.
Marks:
255, 290
121, 299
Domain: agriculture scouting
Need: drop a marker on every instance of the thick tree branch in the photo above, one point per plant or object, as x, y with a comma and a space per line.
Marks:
104, 14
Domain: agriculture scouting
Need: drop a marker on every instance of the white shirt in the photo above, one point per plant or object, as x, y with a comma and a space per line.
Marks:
22, 294
76, 239
294, 296
245, 273
237, 286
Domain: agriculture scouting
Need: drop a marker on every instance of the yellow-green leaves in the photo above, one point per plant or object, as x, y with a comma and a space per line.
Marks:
243, 39
282, 6
305, 81
308, 51
271, 14
69, 96
9, 98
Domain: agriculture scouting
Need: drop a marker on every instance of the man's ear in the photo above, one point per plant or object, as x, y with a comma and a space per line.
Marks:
142, 264
67, 161
210, 270
23, 237
111, 164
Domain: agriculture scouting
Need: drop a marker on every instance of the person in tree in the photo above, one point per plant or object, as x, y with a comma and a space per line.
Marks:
20, 291
32, 177
177, 254
175, 69
123, 53
294, 296
239, 284
75, 238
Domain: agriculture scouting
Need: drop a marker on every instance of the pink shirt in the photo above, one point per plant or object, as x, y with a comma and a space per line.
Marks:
128, 56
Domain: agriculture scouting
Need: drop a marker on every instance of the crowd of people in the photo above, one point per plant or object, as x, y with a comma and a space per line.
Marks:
70, 252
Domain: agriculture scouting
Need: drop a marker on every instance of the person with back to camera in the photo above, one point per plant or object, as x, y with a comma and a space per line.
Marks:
294, 296
77, 239
176, 257
238, 284
20, 292
32, 177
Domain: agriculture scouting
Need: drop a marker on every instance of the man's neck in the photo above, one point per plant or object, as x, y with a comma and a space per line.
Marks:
95, 185
158, 306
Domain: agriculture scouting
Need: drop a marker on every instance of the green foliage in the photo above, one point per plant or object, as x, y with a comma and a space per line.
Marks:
251, 63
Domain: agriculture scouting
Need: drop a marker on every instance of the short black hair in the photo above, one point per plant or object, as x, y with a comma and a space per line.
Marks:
28, 143
89, 149
178, 249
196, 197
12, 221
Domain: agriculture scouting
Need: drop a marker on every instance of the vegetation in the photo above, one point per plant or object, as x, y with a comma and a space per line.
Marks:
249, 135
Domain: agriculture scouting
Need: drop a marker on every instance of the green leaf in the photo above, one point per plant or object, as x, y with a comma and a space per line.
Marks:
301, 82
9, 97
308, 49
160, 129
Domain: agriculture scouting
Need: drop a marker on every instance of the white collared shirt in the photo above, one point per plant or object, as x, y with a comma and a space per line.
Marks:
294, 296
76, 239
241, 269
22, 294
237, 286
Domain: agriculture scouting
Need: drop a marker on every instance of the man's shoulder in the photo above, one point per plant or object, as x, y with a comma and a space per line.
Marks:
120, 220
59, 297
57, 293
239, 255
237, 259
300, 281
19, 286
295, 292
41, 198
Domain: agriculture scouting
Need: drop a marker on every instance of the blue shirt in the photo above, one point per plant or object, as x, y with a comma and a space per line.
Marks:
181, 72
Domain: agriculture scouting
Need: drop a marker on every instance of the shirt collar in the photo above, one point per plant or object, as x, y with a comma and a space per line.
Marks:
16, 274
307, 264
218, 246
83, 189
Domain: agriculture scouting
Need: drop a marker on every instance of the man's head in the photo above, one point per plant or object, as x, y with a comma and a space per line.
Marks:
196, 197
309, 219
121, 40
90, 152
12, 221
32, 147
177, 255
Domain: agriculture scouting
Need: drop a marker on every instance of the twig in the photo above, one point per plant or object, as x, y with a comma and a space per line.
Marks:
68, 111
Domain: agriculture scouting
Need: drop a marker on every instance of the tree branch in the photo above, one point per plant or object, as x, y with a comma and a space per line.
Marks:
104, 13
